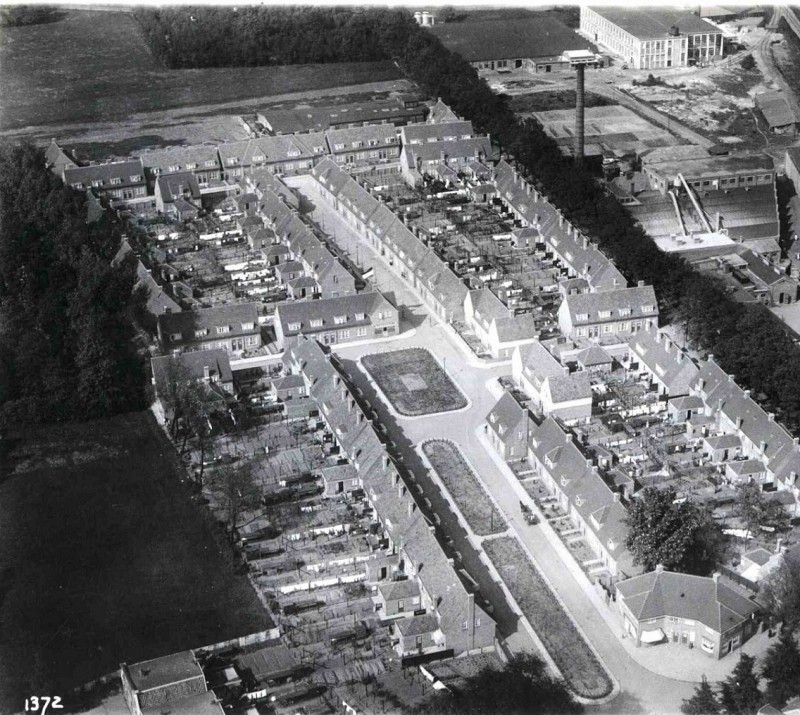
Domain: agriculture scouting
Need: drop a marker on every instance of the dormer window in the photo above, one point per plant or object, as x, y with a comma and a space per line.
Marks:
340, 319
176, 337
191, 167
647, 309
294, 152
201, 333
316, 323
624, 312
210, 162
293, 326
360, 316
338, 147
115, 181
223, 329
174, 168
581, 317
248, 326
604, 314
258, 158
97, 182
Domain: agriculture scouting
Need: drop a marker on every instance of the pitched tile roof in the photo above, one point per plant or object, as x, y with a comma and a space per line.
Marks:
194, 363
129, 173
232, 315
659, 353
516, 327
382, 134
184, 158
666, 593
592, 356
506, 416
566, 388
611, 301
166, 670
424, 132
173, 186
301, 313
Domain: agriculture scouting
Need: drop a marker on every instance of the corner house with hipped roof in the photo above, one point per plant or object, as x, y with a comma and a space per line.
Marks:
696, 611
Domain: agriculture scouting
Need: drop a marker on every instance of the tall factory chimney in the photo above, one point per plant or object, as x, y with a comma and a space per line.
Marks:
579, 107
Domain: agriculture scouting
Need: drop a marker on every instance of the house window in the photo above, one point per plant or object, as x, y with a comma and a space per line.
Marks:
707, 645
464, 626
293, 326
608, 328
581, 332
361, 332
251, 341
344, 334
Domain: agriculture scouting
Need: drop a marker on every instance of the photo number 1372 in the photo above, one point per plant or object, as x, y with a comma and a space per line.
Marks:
41, 703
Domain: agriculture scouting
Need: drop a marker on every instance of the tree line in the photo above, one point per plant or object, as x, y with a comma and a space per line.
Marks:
67, 347
746, 340
252, 36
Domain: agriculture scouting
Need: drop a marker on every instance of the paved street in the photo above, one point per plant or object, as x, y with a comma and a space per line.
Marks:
642, 690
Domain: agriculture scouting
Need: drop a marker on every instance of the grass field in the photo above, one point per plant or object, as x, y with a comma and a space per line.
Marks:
104, 558
463, 486
567, 647
95, 66
413, 382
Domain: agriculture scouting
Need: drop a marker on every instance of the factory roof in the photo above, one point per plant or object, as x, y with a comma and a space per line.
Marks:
648, 23
512, 38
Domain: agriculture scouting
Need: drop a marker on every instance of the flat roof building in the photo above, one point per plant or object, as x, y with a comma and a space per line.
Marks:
651, 38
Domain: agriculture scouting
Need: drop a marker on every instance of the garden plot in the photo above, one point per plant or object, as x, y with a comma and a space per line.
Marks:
413, 382
565, 644
464, 487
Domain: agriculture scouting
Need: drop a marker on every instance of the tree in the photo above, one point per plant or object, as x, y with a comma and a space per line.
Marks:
237, 491
703, 702
748, 62
739, 693
780, 592
678, 535
198, 403
782, 670
521, 686
755, 510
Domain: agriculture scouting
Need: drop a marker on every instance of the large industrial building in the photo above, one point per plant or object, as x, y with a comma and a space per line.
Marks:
653, 38
537, 45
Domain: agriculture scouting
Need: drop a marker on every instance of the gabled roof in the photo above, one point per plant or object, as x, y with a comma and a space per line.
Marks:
665, 360
566, 388
424, 132
611, 302
665, 593
507, 416
185, 158
232, 315
655, 23
487, 305
173, 186
440, 113
129, 173
460, 149
301, 313
516, 327
537, 363
194, 364
383, 134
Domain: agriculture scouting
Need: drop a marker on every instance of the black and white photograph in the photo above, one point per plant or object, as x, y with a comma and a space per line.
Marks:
366, 358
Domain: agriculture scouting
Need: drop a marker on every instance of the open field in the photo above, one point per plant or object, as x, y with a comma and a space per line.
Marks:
413, 382
95, 67
104, 558
463, 486
579, 666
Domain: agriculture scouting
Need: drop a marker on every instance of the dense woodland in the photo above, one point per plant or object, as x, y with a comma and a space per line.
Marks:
746, 340
66, 335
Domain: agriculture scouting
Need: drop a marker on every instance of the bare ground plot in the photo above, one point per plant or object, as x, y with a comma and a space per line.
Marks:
464, 487
104, 558
413, 382
576, 661
95, 67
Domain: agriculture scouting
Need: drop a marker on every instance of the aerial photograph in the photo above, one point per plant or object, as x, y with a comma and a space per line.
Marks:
402, 358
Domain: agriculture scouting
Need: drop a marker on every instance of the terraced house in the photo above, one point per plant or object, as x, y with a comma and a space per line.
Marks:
364, 316
445, 619
282, 155
119, 181
202, 160
233, 327
375, 147
609, 316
